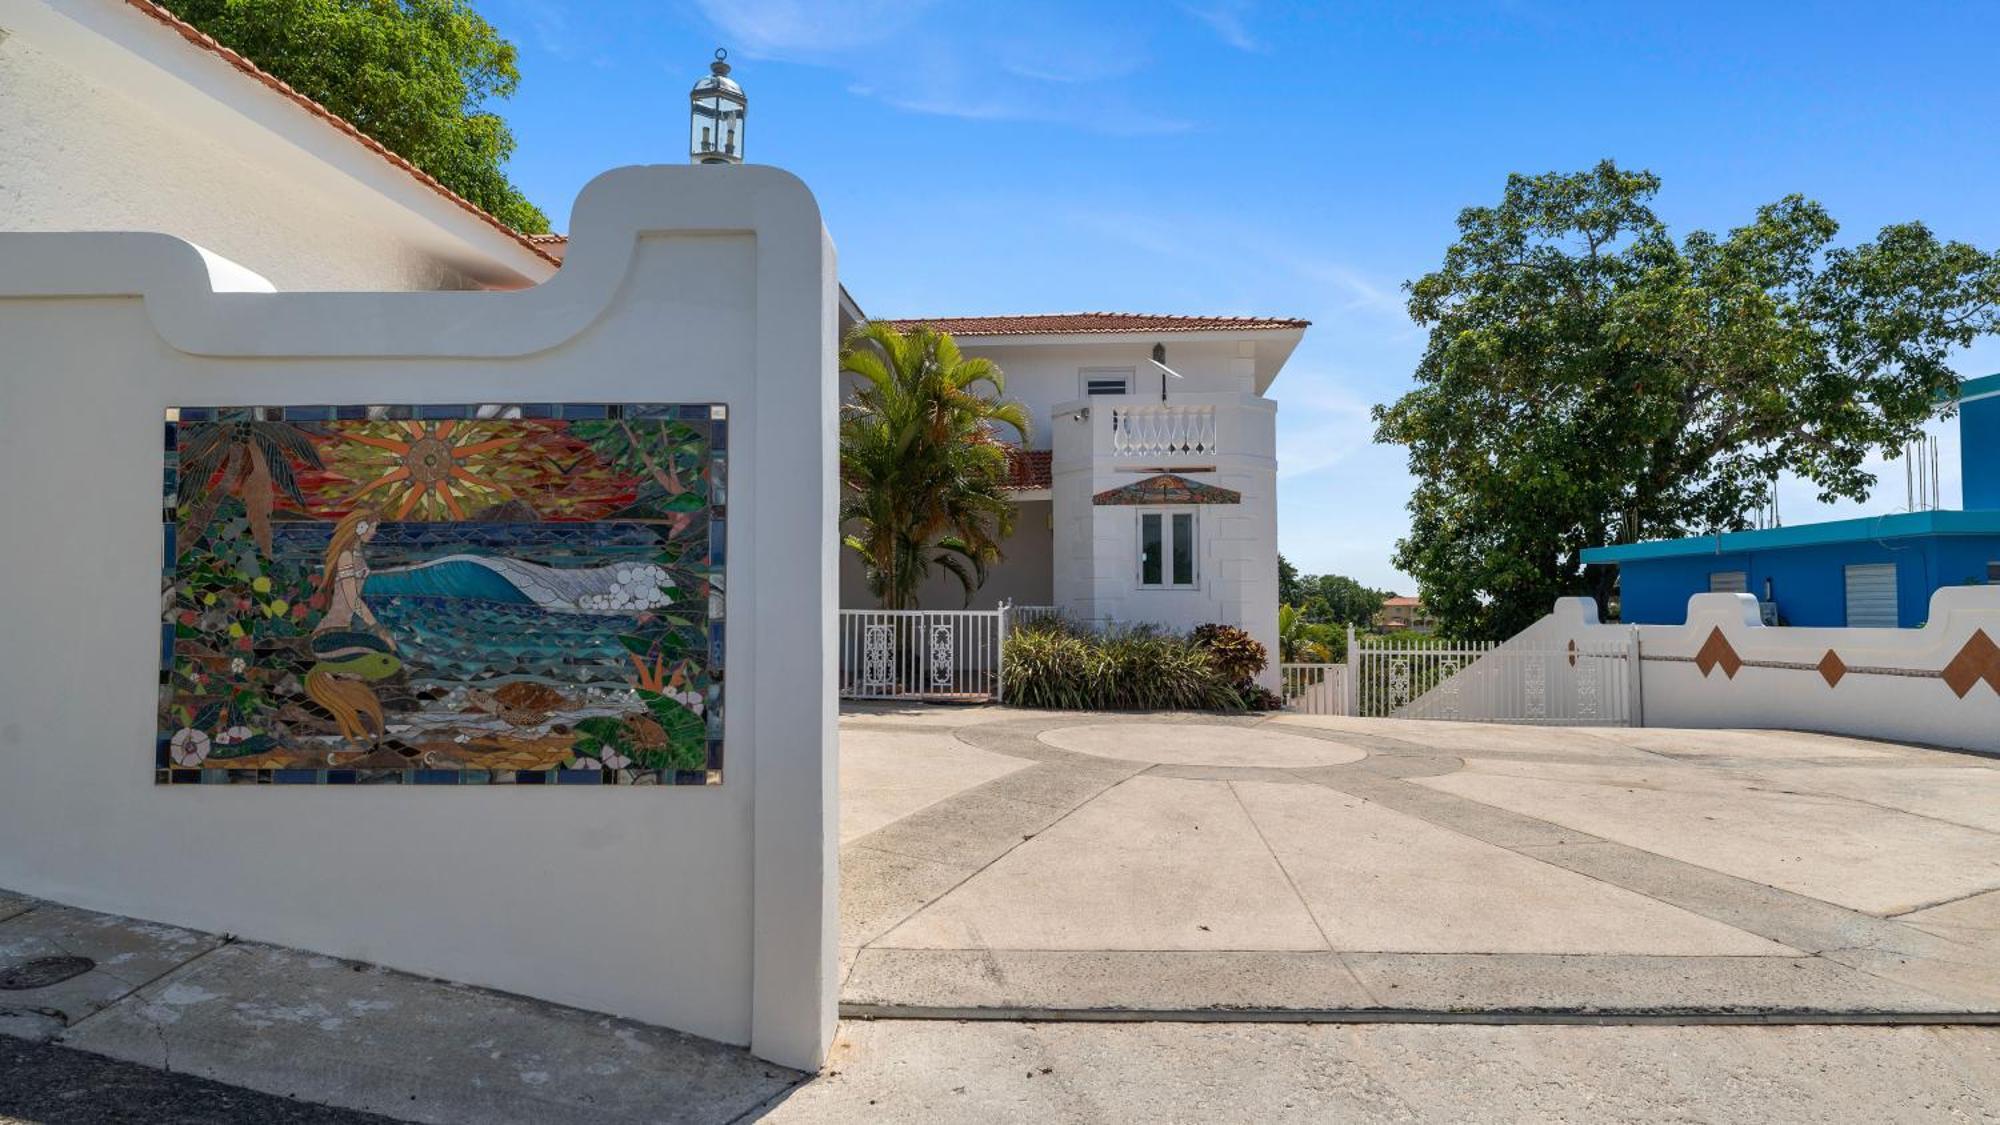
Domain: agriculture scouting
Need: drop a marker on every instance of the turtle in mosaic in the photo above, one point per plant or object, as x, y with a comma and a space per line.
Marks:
521, 703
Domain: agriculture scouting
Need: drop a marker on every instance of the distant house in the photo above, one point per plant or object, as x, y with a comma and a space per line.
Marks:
1401, 613
1878, 571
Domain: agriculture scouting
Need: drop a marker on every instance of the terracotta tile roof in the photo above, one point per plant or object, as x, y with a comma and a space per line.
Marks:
208, 43
1065, 324
1028, 469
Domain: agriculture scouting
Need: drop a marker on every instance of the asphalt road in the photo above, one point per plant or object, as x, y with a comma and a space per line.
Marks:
50, 1085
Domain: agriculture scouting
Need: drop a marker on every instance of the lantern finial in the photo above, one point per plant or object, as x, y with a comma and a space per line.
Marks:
716, 116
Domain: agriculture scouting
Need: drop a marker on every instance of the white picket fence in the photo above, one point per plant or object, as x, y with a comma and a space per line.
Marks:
1593, 683
925, 654
1314, 689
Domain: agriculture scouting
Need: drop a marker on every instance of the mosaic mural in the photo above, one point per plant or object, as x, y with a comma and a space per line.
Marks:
1168, 488
443, 595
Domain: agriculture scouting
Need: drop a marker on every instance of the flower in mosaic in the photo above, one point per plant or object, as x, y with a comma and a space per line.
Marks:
437, 594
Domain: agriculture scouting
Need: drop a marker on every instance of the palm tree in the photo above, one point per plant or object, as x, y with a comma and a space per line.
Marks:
1304, 642
921, 464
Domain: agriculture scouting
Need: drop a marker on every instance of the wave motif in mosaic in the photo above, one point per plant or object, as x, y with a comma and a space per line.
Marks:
459, 594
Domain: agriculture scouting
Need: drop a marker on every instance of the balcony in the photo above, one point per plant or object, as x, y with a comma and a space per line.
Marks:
1155, 430
1131, 433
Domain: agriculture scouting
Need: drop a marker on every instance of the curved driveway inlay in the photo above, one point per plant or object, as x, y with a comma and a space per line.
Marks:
1200, 744
1202, 866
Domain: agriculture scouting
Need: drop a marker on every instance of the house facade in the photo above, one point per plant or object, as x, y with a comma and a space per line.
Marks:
1404, 612
1873, 572
1147, 493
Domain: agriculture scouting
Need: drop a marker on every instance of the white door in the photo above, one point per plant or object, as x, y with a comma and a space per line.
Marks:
1871, 596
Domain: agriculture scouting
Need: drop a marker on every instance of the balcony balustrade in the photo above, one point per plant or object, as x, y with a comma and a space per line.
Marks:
1163, 430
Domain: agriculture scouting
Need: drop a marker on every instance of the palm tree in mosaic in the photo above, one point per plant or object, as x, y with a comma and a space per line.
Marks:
922, 462
250, 460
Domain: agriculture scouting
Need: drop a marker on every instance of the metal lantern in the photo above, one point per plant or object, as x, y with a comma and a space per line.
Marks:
715, 117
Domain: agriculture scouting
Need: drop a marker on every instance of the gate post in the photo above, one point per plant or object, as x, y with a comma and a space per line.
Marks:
1005, 612
1352, 688
1635, 681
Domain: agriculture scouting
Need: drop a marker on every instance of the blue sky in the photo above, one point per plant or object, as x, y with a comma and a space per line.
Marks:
1228, 156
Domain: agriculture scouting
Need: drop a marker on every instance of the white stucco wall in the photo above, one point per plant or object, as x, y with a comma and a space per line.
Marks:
707, 909
109, 121
1891, 687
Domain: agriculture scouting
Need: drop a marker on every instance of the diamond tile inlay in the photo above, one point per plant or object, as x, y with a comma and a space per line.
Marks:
1978, 659
1717, 653
1832, 668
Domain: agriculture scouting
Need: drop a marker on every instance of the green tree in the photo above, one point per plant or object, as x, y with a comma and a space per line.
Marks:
1341, 600
922, 465
1590, 380
415, 75
1289, 592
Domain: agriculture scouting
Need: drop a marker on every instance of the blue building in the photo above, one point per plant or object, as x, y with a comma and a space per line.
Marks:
1875, 571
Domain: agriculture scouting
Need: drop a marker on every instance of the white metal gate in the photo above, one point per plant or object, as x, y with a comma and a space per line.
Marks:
925, 654
1594, 683
1315, 689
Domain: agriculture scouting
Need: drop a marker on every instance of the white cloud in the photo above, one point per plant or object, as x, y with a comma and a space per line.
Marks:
1226, 18
1014, 62
794, 28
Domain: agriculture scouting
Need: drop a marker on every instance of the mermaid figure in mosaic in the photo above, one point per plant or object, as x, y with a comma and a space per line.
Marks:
350, 647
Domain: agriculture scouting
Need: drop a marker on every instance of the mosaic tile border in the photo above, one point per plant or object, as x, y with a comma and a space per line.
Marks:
716, 415
1977, 661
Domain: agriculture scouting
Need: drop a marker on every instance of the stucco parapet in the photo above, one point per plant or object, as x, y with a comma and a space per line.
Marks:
202, 304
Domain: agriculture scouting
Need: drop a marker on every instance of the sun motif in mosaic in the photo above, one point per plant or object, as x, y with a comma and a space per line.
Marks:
443, 595
427, 468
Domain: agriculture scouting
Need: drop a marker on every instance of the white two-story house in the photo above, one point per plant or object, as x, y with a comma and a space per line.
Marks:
1148, 491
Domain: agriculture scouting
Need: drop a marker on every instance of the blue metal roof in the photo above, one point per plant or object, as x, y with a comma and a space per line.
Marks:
1975, 388
1899, 526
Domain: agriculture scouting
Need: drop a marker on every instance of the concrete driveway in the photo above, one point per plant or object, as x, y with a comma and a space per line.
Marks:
1008, 862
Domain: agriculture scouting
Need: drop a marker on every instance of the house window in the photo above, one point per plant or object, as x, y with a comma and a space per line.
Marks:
1729, 582
1166, 549
1871, 596
1106, 380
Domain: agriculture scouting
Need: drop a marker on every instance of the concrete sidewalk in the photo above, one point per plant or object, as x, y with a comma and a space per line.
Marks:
321, 1031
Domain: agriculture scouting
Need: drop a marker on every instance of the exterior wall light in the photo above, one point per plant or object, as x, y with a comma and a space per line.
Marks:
716, 114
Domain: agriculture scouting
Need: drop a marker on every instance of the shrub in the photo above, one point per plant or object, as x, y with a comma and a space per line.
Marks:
1239, 657
1141, 669
1236, 653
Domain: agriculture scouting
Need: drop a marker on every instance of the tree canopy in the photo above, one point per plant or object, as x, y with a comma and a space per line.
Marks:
415, 75
1589, 379
1327, 599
